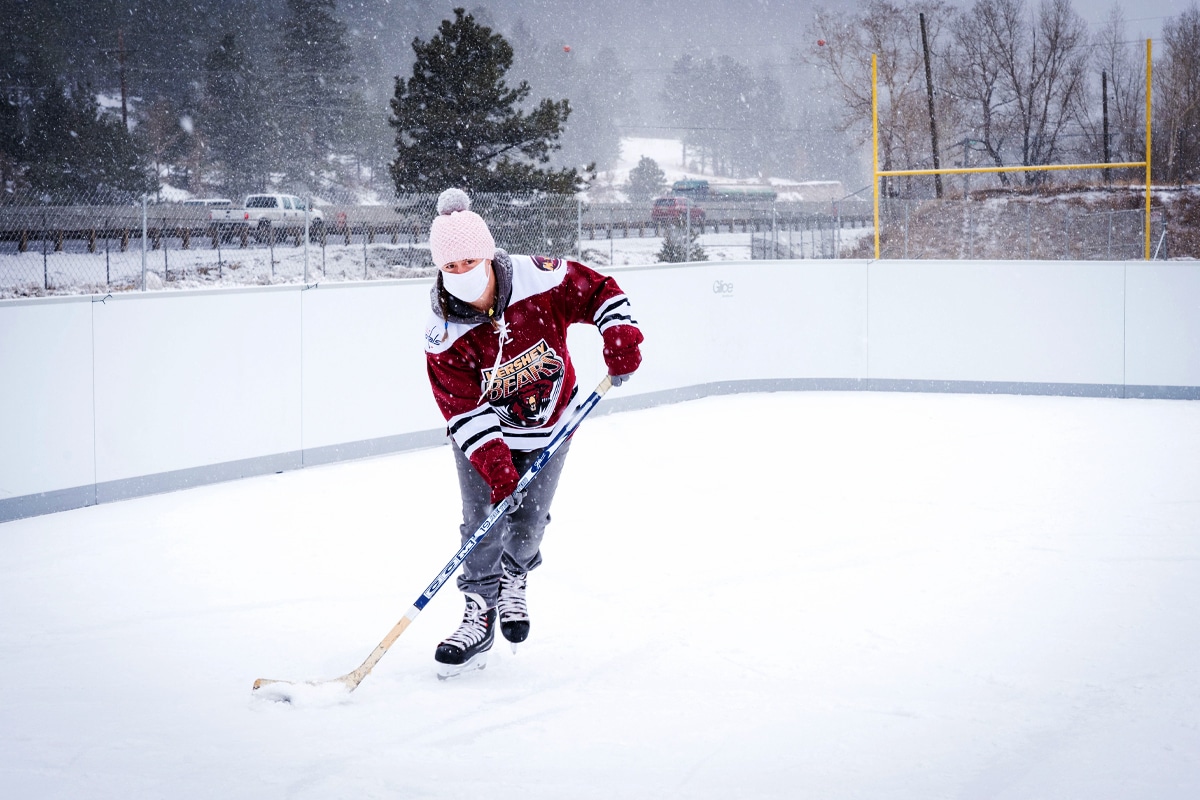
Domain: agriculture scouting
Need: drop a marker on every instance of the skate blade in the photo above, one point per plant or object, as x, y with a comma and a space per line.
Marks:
448, 671
513, 646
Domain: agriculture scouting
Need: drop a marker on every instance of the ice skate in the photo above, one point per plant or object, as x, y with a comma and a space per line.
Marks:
466, 649
512, 608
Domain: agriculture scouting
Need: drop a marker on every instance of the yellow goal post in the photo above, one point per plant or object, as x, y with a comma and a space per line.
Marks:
1031, 168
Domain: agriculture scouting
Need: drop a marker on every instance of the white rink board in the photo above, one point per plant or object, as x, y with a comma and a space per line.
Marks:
364, 363
148, 392
1162, 344
47, 438
1007, 321
190, 379
751, 320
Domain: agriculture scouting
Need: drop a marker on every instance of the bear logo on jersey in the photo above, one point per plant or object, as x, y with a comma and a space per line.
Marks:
546, 264
525, 390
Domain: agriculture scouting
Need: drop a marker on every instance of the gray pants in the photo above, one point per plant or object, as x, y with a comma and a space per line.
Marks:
515, 540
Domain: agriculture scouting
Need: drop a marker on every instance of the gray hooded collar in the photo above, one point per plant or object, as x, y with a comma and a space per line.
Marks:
463, 313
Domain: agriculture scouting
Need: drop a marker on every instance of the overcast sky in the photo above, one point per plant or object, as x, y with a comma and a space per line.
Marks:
1144, 16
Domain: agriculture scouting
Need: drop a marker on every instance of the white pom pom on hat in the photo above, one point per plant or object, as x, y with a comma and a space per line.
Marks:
457, 232
453, 200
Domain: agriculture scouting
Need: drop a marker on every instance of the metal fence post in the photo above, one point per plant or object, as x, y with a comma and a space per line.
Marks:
1067, 236
143, 243
837, 236
579, 229
1028, 231
307, 203
611, 236
45, 262
162, 231
687, 247
774, 233
970, 230
1161, 247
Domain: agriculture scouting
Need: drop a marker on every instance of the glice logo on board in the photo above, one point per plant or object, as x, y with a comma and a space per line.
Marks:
723, 288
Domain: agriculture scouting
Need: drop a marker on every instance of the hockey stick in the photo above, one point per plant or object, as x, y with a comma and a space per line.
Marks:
351, 680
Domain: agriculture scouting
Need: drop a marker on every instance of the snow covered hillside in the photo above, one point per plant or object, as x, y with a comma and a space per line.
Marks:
669, 155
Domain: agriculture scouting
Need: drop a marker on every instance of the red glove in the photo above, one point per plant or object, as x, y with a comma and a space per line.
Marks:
621, 352
495, 463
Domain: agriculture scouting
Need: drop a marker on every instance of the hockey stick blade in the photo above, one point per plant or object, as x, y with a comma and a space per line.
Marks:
291, 691
350, 680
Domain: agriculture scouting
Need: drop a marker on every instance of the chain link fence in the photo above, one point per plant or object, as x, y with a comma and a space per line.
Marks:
102, 243
105, 243
1043, 229
90, 245
808, 236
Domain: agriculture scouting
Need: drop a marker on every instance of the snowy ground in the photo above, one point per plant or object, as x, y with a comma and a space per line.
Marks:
890, 596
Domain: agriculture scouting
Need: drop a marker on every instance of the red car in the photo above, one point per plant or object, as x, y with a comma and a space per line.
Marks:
673, 209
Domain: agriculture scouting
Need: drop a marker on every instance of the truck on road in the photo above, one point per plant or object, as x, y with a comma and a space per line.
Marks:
262, 214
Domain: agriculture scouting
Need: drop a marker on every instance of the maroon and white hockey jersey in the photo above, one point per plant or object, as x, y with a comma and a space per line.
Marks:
509, 376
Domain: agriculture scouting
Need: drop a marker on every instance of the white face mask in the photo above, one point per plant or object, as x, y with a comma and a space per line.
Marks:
467, 286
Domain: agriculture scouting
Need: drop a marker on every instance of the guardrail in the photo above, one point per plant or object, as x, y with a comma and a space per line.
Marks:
88, 245
59, 224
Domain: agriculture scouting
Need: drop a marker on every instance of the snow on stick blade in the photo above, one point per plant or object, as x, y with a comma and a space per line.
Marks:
303, 693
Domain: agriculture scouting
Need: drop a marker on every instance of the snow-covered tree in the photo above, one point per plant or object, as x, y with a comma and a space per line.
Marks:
235, 122
315, 86
679, 246
459, 123
646, 180
72, 150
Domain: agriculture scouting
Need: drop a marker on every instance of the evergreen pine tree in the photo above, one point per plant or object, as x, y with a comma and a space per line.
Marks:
458, 123
646, 180
75, 153
235, 125
315, 88
678, 246
11, 142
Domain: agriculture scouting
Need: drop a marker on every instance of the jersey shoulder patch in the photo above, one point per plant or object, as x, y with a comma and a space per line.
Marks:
535, 274
548, 264
440, 337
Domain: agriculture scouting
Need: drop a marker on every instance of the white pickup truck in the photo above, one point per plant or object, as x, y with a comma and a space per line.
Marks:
262, 213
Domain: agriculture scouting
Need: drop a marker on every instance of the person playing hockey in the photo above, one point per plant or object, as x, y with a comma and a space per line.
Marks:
496, 351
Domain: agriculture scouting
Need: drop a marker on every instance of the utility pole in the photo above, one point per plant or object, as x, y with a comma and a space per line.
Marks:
121, 62
937, 179
1104, 104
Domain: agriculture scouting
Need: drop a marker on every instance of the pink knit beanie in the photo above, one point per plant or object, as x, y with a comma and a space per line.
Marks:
457, 232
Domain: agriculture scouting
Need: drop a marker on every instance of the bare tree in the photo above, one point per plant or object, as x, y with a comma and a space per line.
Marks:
974, 78
1122, 65
891, 31
1177, 99
1042, 64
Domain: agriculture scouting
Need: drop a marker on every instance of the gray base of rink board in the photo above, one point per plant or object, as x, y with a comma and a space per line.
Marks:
31, 505
92, 494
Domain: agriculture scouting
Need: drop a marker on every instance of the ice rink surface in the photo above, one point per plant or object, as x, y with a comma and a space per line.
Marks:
819, 595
